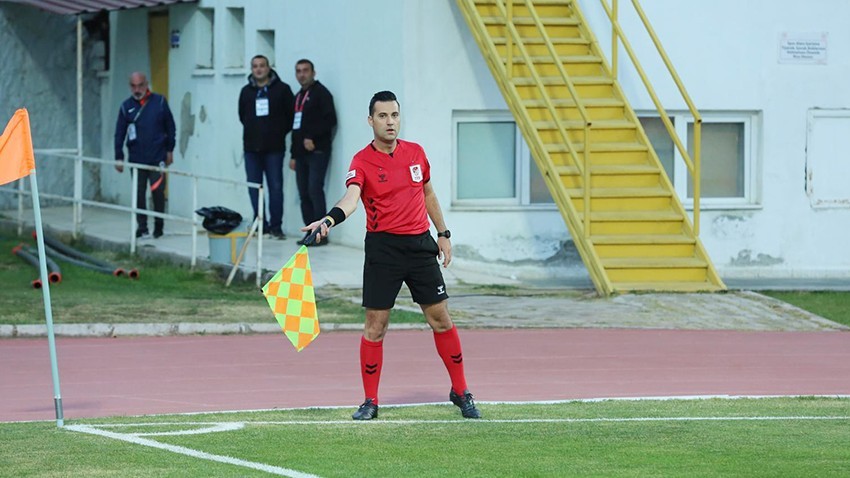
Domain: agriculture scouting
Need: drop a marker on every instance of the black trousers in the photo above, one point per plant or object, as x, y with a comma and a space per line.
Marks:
155, 181
310, 171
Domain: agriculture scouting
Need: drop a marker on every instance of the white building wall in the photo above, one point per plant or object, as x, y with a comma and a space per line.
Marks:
725, 51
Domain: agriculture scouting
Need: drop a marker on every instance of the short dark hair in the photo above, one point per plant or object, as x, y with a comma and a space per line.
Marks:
382, 96
303, 61
263, 57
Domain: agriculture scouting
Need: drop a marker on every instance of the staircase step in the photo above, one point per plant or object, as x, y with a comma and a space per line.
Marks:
615, 239
560, 21
596, 125
522, 2
653, 263
569, 103
609, 170
598, 147
542, 41
633, 216
557, 80
565, 59
622, 193
678, 286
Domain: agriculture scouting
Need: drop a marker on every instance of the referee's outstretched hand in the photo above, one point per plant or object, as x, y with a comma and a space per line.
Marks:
318, 230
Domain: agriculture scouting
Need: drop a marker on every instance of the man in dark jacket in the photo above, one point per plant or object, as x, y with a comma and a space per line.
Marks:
145, 121
312, 129
265, 111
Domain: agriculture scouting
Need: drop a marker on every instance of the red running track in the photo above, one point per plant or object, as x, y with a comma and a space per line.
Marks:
152, 375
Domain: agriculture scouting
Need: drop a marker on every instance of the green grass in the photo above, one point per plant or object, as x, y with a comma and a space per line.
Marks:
165, 293
833, 305
584, 440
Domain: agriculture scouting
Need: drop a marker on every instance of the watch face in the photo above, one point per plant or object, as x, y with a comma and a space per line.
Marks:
447, 234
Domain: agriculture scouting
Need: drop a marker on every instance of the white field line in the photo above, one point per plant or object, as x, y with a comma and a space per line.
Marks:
275, 470
214, 427
533, 402
545, 420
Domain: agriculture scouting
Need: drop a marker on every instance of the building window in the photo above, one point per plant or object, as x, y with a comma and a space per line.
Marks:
486, 160
234, 46
728, 160
265, 45
722, 160
493, 165
204, 27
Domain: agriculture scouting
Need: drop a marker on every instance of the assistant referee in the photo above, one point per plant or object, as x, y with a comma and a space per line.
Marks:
392, 178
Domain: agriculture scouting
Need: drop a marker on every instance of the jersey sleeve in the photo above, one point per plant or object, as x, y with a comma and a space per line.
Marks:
355, 173
426, 167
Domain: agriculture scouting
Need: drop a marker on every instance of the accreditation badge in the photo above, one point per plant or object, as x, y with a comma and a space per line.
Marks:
296, 123
131, 132
416, 173
262, 107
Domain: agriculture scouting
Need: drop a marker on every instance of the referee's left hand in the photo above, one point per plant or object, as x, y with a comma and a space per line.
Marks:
445, 245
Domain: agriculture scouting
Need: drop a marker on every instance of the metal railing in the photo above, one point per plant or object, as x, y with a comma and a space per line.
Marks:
506, 7
617, 33
78, 202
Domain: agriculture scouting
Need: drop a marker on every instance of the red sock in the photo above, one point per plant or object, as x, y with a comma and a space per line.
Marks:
448, 346
371, 361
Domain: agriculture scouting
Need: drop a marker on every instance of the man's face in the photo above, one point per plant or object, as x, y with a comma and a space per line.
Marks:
138, 86
385, 121
304, 74
260, 69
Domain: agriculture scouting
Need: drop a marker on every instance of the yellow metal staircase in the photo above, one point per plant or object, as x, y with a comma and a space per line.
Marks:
619, 205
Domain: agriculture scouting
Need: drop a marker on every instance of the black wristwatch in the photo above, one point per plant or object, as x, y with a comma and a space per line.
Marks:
447, 234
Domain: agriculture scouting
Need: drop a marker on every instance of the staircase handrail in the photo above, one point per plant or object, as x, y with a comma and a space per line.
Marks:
693, 164
584, 168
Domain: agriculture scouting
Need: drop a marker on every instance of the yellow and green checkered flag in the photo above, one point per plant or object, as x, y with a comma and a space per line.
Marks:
292, 300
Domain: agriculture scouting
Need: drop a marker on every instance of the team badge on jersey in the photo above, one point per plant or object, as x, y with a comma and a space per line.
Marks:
416, 173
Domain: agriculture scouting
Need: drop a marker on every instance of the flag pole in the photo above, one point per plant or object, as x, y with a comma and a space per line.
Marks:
45, 289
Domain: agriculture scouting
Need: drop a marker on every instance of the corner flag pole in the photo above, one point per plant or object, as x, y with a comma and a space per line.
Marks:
17, 161
48, 311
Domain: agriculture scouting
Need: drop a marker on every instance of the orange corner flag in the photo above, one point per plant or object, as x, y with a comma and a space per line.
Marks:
16, 156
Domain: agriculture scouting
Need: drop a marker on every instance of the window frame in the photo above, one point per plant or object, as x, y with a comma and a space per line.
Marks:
751, 130
522, 173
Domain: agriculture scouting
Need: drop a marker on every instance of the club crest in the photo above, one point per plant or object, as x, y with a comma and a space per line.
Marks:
416, 173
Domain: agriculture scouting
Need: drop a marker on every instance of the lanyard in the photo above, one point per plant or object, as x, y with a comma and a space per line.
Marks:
135, 118
299, 107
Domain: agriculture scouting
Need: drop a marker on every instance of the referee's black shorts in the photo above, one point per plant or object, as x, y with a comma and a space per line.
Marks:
392, 259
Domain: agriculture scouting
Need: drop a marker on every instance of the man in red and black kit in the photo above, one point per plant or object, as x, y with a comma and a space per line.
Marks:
392, 177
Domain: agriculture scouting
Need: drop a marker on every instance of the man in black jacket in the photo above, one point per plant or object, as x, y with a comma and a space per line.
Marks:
312, 130
265, 111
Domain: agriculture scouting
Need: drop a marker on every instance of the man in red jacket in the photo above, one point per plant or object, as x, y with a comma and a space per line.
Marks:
392, 178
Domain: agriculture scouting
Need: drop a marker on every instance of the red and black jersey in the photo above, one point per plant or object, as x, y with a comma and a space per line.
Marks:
392, 187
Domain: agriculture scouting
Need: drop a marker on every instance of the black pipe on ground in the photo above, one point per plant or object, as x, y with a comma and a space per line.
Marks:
73, 260
54, 273
29, 259
72, 253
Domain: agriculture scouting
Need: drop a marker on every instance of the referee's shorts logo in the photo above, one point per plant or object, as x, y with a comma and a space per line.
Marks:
441, 289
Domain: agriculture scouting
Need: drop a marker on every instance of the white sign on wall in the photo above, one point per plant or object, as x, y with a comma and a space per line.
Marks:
803, 48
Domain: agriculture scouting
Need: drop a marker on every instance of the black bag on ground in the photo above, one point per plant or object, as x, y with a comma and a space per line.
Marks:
219, 220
